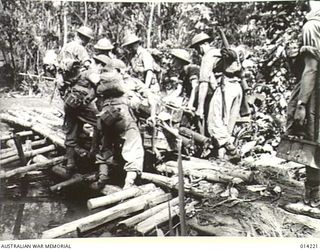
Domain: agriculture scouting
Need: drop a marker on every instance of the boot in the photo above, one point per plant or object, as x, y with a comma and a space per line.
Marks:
70, 154
232, 153
70, 165
103, 177
315, 197
307, 193
129, 181
81, 151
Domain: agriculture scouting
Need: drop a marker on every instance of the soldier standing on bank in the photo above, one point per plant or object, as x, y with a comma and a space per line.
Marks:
302, 113
142, 62
226, 101
188, 74
77, 91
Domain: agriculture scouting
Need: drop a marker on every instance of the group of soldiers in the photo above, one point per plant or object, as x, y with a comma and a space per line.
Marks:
107, 93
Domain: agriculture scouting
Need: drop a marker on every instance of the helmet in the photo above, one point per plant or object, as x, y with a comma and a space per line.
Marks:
199, 38
85, 31
181, 54
130, 39
118, 64
104, 44
103, 59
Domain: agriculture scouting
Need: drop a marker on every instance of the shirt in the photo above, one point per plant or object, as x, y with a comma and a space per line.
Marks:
190, 73
142, 62
72, 51
209, 63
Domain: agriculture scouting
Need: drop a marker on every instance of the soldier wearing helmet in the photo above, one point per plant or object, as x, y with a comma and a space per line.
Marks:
77, 90
207, 80
117, 125
220, 71
104, 47
75, 50
142, 62
188, 74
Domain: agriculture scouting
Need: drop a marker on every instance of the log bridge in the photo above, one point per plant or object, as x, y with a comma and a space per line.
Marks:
142, 209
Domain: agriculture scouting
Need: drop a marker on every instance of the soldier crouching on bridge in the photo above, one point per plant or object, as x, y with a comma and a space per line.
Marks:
118, 126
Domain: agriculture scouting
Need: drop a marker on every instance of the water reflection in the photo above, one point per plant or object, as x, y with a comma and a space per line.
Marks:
39, 210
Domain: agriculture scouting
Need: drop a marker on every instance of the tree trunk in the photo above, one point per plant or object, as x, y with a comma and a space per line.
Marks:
212, 176
150, 25
85, 13
160, 24
13, 61
65, 24
119, 196
172, 183
225, 170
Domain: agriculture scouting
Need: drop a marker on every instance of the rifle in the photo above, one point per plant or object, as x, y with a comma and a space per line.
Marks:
222, 85
244, 109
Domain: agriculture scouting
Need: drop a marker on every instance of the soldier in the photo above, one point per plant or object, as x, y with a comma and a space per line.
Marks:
142, 62
104, 47
118, 126
75, 50
302, 105
137, 93
189, 74
77, 90
226, 101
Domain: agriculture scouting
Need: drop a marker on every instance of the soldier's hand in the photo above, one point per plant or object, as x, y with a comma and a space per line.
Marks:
300, 114
200, 113
228, 54
87, 99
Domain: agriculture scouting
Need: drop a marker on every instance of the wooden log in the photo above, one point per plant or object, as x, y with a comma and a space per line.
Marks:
4, 138
213, 176
29, 154
32, 167
123, 209
148, 213
119, 196
161, 217
102, 217
13, 151
49, 115
6, 150
229, 170
301, 208
52, 135
171, 183
76, 178
39, 159
233, 230
44, 118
